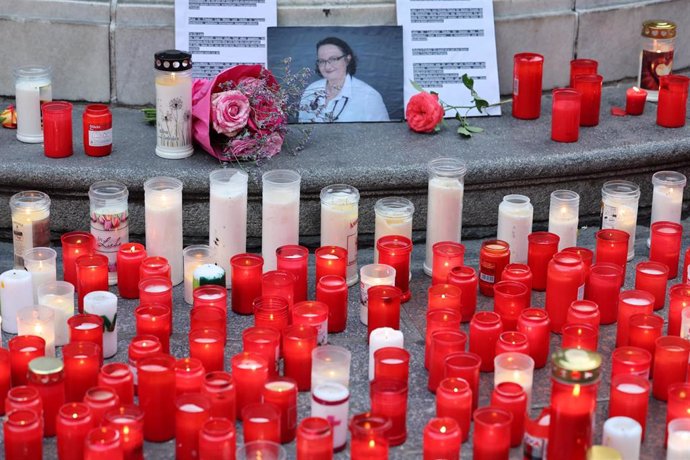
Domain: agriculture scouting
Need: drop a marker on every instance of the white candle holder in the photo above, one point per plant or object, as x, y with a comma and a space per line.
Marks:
514, 224
104, 304
623, 434
109, 221
369, 276
42, 264
58, 295
667, 197
393, 217
564, 210
32, 87
30, 223
16, 292
194, 256
678, 447
280, 213
330, 363
515, 367
40, 321
380, 338
163, 213
619, 209
339, 215
173, 104
331, 401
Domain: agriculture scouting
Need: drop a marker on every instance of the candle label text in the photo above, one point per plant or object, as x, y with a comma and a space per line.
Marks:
110, 230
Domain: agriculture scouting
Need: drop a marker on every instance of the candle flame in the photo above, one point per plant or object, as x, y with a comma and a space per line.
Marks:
636, 89
576, 390
443, 429
372, 443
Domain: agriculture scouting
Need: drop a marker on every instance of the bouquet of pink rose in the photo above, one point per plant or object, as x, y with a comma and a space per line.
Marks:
239, 115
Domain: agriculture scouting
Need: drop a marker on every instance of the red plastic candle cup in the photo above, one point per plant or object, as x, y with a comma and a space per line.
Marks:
384, 307
154, 266
522, 274
443, 343
298, 342
670, 364
191, 412
48, 377
211, 295
140, 347
189, 376
100, 400
250, 372
527, 76
438, 320
584, 312
643, 330
603, 287
209, 318
630, 303
589, 86
510, 397
491, 439
635, 99
82, 364
271, 312
512, 341
392, 363
74, 245
129, 259
485, 328
665, 245
219, 388
630, 360
630, 398
534, 323
442, 439
207, 346
246, 281
57, 129
314, 439
565, 115
265, 342
261, 422
466, 279
582, 67
447, 255
282, 393
612, 247
494, 255
673, 99
24, 348
652, 277
463, 366
315, 314
389, 400
217, 439
510, 298
294, 259
154, 319
678, 402
565, 283
330, 260
118, 377
103, 443
279, 283
97, 127
157, 291
679, 298
74, 421
368, 436
332, 290
156, 376
587, 256
92, 275
23, 397
23, 435
395, 251
86, 327
541, 247
580, 336
128, 420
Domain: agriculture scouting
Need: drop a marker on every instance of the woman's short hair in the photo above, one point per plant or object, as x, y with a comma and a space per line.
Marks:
344, 47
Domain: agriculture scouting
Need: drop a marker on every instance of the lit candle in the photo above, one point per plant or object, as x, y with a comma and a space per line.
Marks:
109, 221
312, 313
246, 281
565, 283
580, 336
92, 275
191, 412
118, 377
330, 260
332, 290
541, 247
129, 421
157, 290
510, 299
154, 320
467, 280
652, 277
385, 307
23, 349
279, 284
389, 400
454, 400
678, 447
219, 388
534, 323
22, 435
514, 224
189, 376
437, 320
74, 421
264, 342
444, 297
330, 363
207, 346
443, 344
393, 217
491, 438
129, 259
564, 209
280, 213
380, 338
517, 368
331, 401
217, 438
58, 295
510, 397
447, 255
104, 304
74, 245
368, 436
635, 99
314, 439
30, 223
667, 196
41, 263
630, 398
157, 396
211, 295
630, 303
154, 266
369, 276
282, 394
395, 250
485, 328
392, 363
619, 210
442, 439
194, 256
163, 215
271, 312
630, 360
294, 259
666, 238
261, 422
16, 292
102, 443
679, 298
670, 364
82, 361
643, 330
38, 321
298, 343
87, 328
339, 216
623, 434
604, 284
48, 377
250, 371
100, 400
512, 341
465, 366
140, 347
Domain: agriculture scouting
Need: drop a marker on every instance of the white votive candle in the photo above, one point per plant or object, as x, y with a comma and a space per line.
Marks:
514, 225
619, 209
339, 215
667, 197
685, 323
280, 213
564, 209
41, 263
40, 321
330, 363
393, 217
194, 256
32, 88
678, 447
625, 435
515, 367
380, 338
58, 295
16, 292
104, 304
30, 223
369, 276
331, 401
163, 214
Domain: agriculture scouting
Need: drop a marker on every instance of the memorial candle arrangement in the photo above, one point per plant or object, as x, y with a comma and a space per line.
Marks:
163, 217
280, 213
109, 221
514, 224
339, 217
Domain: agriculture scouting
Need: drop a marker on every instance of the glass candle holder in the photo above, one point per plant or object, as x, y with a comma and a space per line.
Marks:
465, 366
32, 85
128, 420
510, 397
22, 435
129, 259
154, 320
331, 401
23, 397
48, 377
438, 320
673, 99
312, 313
392, 363
92, 275
564, 209
157, 291
522, 274
195, 256
442, 439
330, 363
299, 341
565, 283
208, 318
97, 127
38, 321
630, 398
211, 295
589, 86
261, 422
541, 248
643, 330
393, 217
265, 342
514, 224
246, 282
314, 439
678, 436
517, 368
368, 436
261, 450
173, 105
189, 376
330, 260
141, 347
679, 298
271, 312
191, 412
535, 324
454, 400
294, 259
281, 392
665, 245
395, 251
57, 129
163, 215
494, 255
630, 360
485, 328
74, 421
280, 213
156, 390
103, 442
587, 256
217, 438
339, 216
87, 328
491, 437
250, 372
467, 280
443, 343
512, 341
623, 435
207, 345
582, 67
619, 211
447, 255
652, 277
584, 312
15, 294
74, 245
444, 211
23, 349
380, 338
580, 336
670, 364
109, 221
510, 298
118, 377
279, 284
603, 287
656, 56
104, 305
389, 400
41, 263
30, 212
219, 388
667, 196
444, 297
100, 400
565, 115
385, 308
630, 303
332, 290
154, 266
527, 76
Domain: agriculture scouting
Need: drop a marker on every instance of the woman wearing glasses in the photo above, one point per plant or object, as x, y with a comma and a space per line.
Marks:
339, 96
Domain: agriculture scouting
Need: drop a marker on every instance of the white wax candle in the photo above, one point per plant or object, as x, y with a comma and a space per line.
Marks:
563, 222
630, 388
625, 435
163, 214
194, 257
444, 215
666, 203
369, 276
514, 225
63, 306
393, 217
104, 304
339, 214
42, 272
39, 321
685, 323
279, 224
16, 292
330, 363
515, 367
678, 445
29, 94
621, 217
173, 105
380, 338
332, 401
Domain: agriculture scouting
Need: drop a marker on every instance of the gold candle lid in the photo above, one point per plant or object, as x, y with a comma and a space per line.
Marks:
572, 365
45, 365
603, 453
659, 29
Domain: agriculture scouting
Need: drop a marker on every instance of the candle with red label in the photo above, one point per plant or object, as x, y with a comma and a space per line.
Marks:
635, 99
589, 86
271, 312
23, 434
103, 443
630, 360
332, 290
74, 421
679, 298
541, 247
584, 312
392, 363
206, 345
154, 266
438, 320
82, 364
652, 277
565, 115
23, 397
510, 397
209, 318
527, 76
447, 255
368, 436
630, 398
157, 291
603, 287
494, 255
250, 372
128, 420
129, 259
92, 275
48, 377
74, 245
444, 296
156, 391
279, 284
265, 342
665, 245
565, 282
485, 328
24, 348
191, 412
582, 67
261, 422
443, 343
389, 400
630, 303
100, 400
673, 99
219, 387
612, 247
294, 259
298, 343
491, 437
189, 376
118, 377
512, 341
670, 364
312, 313
510, 298
246, 281
442, 439
154, 320
580, 336
217, 438
282, 393
535, 323
330, 260
314, 439
464, 366
395, 251
211, 295
466, 279
643, 330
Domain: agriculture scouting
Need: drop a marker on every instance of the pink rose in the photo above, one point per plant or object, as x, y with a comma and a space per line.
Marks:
229, 112
272, 145
243, 147
266, 116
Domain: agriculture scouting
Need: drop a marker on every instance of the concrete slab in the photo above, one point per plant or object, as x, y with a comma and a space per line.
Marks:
337, 15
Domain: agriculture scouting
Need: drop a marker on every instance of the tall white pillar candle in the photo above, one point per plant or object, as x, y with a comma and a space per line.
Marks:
30, 223
625, 435
393, 217
369, 276
619, 209
667, 197
32, 87
678, 447
104, 304
280, 213
227, 224
41, 263
515, 367
514, 225
339, 215
109, 221
59, 295
331, 401
16, 292
564, 211
194, 256
40, 321
444, 210
380, 338
163, 214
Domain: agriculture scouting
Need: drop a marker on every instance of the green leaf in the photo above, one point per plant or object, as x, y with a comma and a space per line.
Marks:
433, 92
481, 104
107, 325
437, 128
474, 129
458, 116
463, 131
417, 86
467, 81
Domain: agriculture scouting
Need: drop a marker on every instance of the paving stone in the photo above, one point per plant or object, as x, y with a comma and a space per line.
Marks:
507, 8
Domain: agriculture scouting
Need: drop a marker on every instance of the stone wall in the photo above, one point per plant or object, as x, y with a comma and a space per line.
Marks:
101, 50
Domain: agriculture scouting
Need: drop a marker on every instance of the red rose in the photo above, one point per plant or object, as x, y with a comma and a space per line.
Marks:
424, 112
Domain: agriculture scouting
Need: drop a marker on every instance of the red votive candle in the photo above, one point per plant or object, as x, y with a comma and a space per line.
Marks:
670, 364
630, 360
582, 67
465, 366
603, 287
384, 308
652, 277
314, 439
630, 398
282, 393
565, 283
643, 330
485, 328
118, 377
217, 439
392, 363
261, 422
74, 245
211, 295
522, 274
294, 259
630, 303
330, 260
389, 400
103, 443
23, 397
534, 323
678, 402
129, 259
510, 298
140, 347
312, 313
22, 433
584, 312
665, 245
368, 436
209, 318
587, 256
589, 86
298, 342
154, 266
466, 279
250, 372
442, 439
154, 320
92, 275
510, 397
541, 247
612, 247
679, 298
128, 420
189, 376
97, 125
157, 396
246, 281
635, 99
491, 439
100, 400
332, 290
157, 291
271, 312
219, 388
207, 346
443, 343
444, 296
24, 348
580, 336
82, 364
438, 320
673, 99
395, 251
527, 75
86, 327
279, 284
48, 377
565, 115
446, 256
512, 341
191, 412
265, 342
494, 255
74, 421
